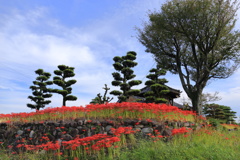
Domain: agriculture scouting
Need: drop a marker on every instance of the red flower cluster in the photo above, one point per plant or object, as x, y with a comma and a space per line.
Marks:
180, 130
73, 144
88, 144
110, 110
122, 130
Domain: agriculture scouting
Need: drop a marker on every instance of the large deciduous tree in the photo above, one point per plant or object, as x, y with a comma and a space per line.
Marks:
196, 40
123, 76
40, 90
63, 73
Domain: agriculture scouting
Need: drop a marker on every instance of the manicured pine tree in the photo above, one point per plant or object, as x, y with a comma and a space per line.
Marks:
220, 112
63, 73
157, 86
99, 99
40, 90
123, 76
229, 114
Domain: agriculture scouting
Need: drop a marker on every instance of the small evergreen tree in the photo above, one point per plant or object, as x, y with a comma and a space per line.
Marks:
40, 90
102, 99
123, 76
60, 80
223, 113
158, 89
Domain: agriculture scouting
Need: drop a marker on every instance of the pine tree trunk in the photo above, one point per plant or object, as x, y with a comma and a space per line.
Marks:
64, 101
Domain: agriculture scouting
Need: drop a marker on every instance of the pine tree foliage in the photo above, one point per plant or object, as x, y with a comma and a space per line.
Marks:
124, 75
157, 86
40, 90
102, 99
63, 73
220, 112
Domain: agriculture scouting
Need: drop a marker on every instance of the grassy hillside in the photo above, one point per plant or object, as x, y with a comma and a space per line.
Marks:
188, 135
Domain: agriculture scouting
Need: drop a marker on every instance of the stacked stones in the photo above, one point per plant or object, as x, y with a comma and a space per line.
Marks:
37, 133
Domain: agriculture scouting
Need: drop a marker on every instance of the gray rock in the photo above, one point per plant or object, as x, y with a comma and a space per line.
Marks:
108, 128
139, 126
79, 127
56, 124
54, 132
31, 134
59, 141
67, 137
20, 132
187, 124
89, 133
80, 122
166, 132
147, 130
74, 132
137, 129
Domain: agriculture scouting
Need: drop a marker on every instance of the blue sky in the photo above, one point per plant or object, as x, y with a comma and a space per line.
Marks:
85, 34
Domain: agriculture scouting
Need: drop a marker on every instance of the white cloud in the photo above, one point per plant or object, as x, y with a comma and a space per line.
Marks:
33, 39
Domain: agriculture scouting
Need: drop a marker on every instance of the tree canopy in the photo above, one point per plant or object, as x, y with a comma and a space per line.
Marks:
40, 90
123, 76
60, 80
196, 40
158, 89
220, 112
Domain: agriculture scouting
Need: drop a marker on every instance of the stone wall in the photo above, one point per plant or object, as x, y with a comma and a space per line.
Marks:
37, 133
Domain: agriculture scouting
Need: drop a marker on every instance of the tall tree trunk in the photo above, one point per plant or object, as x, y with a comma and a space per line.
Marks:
196, 102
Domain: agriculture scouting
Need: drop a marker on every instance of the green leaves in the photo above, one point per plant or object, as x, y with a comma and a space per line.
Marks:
220, 112
157, 86
194, 39
60, 80
118, 66
71, 98
124, 73
116, 93
116, 83
70, 82
117, 76
117, 59
59, 83
134, 92
39, 71
127, 71
58, 72
134, 82
40, 90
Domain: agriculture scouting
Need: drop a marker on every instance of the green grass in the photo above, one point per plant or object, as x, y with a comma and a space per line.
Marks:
197, 146
204, 144
209, 143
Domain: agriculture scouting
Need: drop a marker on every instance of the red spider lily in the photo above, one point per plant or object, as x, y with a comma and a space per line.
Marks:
122, 130
136, 109
180, 130
20, 145
45, 138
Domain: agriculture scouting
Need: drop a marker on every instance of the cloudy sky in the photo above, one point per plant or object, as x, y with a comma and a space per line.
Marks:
85, 34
